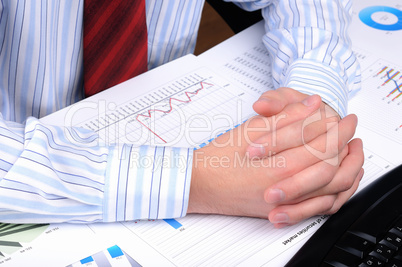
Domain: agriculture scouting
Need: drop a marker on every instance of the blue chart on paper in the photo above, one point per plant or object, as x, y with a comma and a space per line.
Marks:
172, 222
112, 256
366, 16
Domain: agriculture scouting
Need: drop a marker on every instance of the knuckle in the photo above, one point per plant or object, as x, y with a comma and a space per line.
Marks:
259, 122
344, 152
334, 209
285, 172
345, 184
341, 144
327, 172
295, 190
312, 130
328, 203
334, 147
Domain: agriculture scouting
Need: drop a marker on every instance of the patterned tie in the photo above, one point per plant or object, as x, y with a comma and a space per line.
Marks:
115, 42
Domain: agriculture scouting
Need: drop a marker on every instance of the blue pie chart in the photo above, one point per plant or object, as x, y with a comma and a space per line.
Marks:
365, 16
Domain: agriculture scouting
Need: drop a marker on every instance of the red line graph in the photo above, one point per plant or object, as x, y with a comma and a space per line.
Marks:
188, 100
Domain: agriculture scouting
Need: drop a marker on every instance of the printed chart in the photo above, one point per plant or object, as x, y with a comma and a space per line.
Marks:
112, 256
252, 69
14, 236
379, 104
383, 18
188, 112
206, 240
377, 27
393, 77
44, 244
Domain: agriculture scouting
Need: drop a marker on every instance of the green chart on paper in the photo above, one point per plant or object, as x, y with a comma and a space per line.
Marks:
12, 236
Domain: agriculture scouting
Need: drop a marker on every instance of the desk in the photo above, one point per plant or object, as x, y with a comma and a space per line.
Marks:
210, 239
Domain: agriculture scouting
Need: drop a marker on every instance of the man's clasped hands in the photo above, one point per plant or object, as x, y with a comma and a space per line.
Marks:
294, 160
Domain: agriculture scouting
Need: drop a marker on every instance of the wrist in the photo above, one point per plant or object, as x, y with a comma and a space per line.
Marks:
199, 189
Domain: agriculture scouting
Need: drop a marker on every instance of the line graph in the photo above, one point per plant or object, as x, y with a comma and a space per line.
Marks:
187, 100
379, 106
397, 89
187, 112
392, 78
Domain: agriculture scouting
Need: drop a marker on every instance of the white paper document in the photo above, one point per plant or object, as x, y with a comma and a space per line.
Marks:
188, 103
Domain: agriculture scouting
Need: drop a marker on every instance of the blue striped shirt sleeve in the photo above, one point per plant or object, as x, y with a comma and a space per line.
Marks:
310, 48
55, 174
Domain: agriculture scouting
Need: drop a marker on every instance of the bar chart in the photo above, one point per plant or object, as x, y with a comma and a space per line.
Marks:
112, 256
174, 223
206, 240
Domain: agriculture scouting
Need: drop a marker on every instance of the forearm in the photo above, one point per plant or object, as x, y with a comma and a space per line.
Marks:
310, 48
51, 174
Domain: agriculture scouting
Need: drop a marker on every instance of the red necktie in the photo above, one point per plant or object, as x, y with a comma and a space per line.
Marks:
115, 42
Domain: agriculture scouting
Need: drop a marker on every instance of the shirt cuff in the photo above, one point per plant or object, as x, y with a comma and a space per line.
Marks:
311, 77
147, 183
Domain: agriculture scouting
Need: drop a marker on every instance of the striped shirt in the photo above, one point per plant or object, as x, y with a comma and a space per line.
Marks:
49, 174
